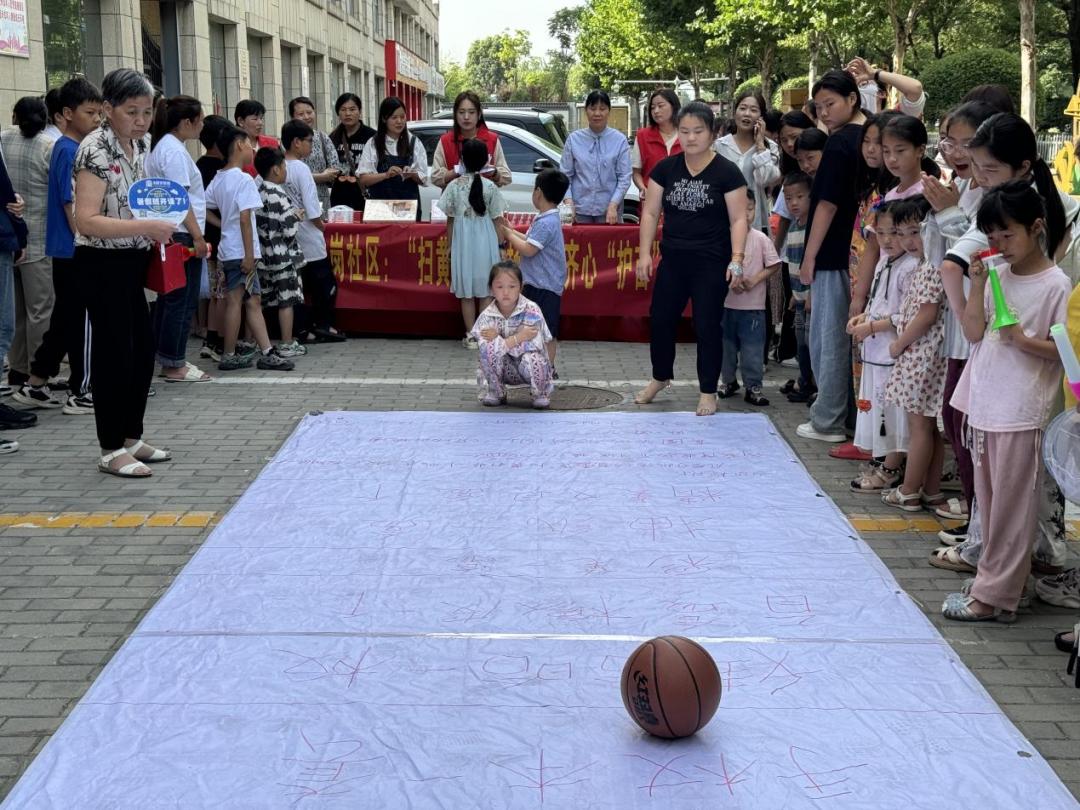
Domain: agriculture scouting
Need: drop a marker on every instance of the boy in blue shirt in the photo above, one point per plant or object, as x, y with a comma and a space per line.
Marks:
69, 326
543, 254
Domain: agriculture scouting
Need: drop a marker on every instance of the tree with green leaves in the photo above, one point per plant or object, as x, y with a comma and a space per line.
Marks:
683, 20
615, 42
494, 63
565, 25
457, 79
756, 26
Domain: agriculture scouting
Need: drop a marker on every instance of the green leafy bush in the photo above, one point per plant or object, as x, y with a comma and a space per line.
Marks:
947, 80
753, 83
791, 84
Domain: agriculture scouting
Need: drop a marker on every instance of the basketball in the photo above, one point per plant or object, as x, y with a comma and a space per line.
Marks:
670, 686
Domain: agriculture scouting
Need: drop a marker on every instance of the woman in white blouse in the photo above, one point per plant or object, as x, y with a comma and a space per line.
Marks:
757, 157
393, 164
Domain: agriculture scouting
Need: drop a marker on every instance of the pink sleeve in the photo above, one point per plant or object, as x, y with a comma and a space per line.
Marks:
771, 257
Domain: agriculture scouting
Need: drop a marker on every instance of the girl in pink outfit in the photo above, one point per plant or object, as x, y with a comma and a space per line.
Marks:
1006, 392
512, 338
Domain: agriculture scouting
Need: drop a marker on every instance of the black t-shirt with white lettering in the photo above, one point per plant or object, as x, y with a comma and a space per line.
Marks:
695, 213
835, 182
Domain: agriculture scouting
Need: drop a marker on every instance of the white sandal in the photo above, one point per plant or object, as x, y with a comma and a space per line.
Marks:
952, 509
897, 499
131, 470
155, 454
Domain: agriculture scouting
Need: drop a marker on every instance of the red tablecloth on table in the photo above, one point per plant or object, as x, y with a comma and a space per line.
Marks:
394, 278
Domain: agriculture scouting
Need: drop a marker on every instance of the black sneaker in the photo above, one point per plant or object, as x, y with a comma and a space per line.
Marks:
954, 537
12, 419
755, 397
37, 396
324, 335
79, 405
272, 361
727, 390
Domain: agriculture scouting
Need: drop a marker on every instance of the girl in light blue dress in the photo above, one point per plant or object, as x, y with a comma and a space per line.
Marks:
471, 203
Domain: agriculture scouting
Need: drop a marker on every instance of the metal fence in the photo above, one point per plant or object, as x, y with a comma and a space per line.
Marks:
1048, 146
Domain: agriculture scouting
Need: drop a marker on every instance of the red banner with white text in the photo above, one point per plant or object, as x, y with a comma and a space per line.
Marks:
394, 278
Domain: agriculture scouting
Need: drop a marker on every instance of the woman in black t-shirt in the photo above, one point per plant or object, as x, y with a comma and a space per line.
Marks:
703, 198
834, 204
349, 137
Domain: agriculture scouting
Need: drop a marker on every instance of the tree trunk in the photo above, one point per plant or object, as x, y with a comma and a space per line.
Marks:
902, 28
733, 82
1071, 9
768, 58
815, 47
899, 52
1027, 61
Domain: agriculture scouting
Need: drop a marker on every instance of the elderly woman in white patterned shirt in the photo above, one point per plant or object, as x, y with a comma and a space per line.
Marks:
113, 249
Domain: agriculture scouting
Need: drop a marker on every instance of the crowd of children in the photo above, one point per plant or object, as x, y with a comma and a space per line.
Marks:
934, 366
892, 321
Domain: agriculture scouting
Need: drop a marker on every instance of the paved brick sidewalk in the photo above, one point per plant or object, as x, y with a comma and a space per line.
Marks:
70, 594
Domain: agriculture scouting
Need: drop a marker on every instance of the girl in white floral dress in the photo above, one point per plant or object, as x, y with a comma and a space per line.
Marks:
917, 382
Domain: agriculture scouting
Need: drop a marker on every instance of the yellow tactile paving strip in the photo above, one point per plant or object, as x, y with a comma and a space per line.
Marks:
107, 520
199, 520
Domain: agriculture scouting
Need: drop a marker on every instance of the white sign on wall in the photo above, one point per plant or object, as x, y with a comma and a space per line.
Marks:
244, 68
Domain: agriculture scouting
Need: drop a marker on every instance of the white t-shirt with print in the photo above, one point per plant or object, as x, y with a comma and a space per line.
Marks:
300, 186
233, 193
169, 159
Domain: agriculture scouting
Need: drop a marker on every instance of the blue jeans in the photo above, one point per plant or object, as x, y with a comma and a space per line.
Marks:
7, 302
802, 346
744, 346
174, 311
830, 351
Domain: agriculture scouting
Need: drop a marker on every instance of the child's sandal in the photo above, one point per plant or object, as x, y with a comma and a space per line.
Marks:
957, 606
875, 480
898, 500
931, 502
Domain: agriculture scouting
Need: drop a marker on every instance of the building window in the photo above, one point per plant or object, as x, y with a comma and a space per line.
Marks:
72, 33
337, 82
316, 83
290, 87
218, 82
377, 18
256, 76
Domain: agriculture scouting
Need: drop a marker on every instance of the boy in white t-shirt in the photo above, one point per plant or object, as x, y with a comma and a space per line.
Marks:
744, 315
234, 195
318, 276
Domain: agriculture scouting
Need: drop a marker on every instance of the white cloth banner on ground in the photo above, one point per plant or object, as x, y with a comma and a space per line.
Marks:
432, 610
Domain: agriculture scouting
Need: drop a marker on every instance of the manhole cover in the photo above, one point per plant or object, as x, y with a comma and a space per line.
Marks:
567, 398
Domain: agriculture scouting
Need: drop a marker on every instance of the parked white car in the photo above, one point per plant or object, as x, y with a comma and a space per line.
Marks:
525, 154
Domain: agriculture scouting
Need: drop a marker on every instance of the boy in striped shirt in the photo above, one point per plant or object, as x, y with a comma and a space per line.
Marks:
797, 198
277, 223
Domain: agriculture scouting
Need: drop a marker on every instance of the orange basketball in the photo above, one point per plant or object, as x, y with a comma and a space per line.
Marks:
670, 686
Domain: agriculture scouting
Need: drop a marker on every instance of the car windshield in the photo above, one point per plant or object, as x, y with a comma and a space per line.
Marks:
552, 128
